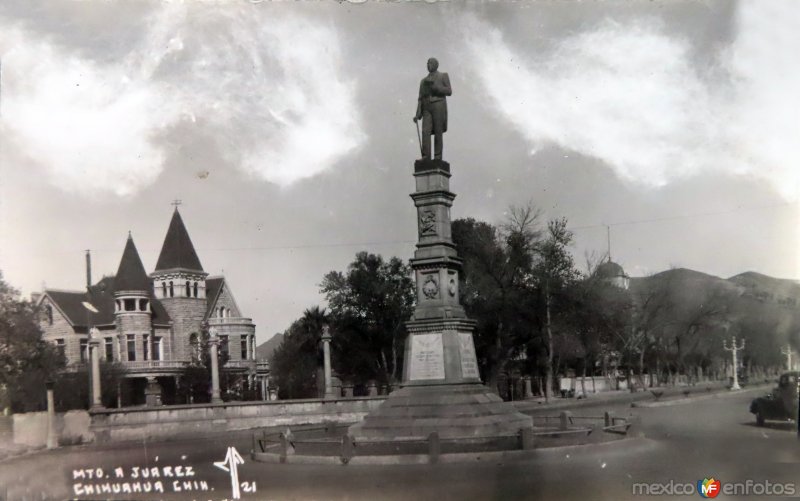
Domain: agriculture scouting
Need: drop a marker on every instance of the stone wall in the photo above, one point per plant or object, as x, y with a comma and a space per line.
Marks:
113, 425
72, 427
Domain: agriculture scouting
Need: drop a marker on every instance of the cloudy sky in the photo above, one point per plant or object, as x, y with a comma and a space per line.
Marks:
285, 129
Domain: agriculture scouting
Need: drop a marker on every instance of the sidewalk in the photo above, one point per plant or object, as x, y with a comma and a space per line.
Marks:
698, 391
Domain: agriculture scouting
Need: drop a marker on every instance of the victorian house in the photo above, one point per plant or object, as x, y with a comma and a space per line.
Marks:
153, 324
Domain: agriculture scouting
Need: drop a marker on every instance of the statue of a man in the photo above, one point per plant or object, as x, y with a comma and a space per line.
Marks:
432, 108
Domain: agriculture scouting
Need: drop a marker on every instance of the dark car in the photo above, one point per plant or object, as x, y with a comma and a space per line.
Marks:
781, 404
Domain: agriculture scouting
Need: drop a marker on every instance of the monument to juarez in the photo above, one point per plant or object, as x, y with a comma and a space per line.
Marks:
441, 389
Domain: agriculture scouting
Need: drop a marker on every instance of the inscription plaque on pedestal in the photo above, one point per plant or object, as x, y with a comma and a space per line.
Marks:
469, 362
427, 357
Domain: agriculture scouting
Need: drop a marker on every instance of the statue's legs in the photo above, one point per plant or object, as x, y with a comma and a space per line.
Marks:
437, 145
427, 130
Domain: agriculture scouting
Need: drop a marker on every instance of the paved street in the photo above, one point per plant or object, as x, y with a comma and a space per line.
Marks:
714, 437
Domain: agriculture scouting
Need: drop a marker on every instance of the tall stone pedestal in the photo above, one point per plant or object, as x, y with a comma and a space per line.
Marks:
441, 390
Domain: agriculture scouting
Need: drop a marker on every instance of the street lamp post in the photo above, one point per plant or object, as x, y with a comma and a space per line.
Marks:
94, 359
734, 349
213, 343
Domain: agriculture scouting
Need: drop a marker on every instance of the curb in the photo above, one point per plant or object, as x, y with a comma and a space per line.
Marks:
451, 458
679, 401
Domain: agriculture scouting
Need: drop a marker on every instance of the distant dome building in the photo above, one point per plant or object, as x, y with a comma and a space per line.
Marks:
614, 274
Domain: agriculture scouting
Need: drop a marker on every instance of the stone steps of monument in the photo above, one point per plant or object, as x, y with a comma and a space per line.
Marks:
452, 411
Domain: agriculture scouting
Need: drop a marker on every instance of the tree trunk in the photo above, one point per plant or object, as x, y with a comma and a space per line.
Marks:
549, 374
641, 369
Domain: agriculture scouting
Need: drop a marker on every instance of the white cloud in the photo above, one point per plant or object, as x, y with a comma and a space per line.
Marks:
275, 102
631, 96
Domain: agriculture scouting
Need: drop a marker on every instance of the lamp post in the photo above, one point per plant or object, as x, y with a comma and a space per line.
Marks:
94, 359
734, 349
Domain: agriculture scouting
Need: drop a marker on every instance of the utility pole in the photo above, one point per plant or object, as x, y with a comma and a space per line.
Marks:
788, 352
734, 349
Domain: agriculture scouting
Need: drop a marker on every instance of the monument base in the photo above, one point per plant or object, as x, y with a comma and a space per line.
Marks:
453, 411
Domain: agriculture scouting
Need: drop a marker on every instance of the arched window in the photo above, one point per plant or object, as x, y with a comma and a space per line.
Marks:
163, 289
171, 289
195, 289
49, 310
188, 292
227, 312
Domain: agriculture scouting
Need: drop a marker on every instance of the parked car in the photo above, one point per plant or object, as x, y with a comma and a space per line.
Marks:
781, 404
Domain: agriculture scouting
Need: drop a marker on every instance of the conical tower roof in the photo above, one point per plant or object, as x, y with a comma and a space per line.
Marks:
130, 274
178, 251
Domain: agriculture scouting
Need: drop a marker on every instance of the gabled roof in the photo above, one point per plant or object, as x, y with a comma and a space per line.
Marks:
101, 296
213, 288
130, 274
178, 251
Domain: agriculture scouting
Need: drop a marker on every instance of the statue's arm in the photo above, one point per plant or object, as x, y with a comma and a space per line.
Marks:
442, 86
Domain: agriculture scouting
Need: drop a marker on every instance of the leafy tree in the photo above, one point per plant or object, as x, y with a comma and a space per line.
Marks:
370, 304
296, 360
26, 360
553, 272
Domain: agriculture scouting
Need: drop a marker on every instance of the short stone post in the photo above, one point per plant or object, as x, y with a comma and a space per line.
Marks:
213, 343
347, 389
52, 439
526, 439
384, 389
273, 393
372, 388
528, 387
326, 350
434, 448
348, 449
565, 418
94, 353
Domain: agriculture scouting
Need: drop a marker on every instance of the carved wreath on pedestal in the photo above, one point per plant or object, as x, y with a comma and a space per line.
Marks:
427, 222
430, 287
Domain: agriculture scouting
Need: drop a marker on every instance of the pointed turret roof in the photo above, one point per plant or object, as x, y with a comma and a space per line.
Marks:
178, 251
131, 275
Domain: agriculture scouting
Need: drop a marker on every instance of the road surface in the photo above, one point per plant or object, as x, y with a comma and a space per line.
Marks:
709, 438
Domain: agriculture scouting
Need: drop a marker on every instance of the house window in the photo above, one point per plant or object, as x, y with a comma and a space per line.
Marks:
143, 305
156, 348
187, 289
195, 289
146, 347
84, 350
130, 304
131, 347
171, 289
244, 347
109, 349
60, 346
163, 289
223, 344
49, 310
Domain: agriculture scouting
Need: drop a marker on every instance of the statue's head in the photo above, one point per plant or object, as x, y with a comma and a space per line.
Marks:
433, 64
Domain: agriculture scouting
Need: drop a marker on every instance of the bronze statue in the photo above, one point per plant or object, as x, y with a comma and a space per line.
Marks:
432, 109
